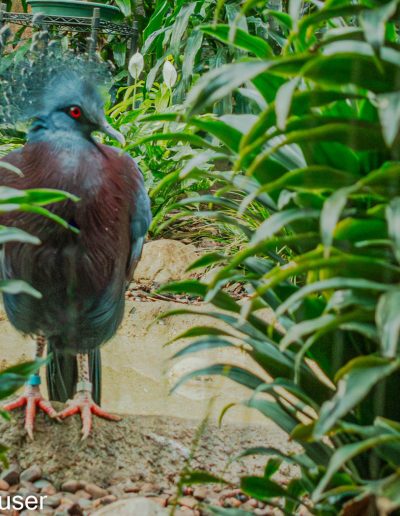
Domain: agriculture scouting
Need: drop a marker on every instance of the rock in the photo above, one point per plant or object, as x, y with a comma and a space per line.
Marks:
84, 503
188, 501
75, 510
49, 490
11, 476
96, 491
53, 501
161, 500
150, 489
30, 486
131, 488
42, 483
71, 486
106, 500
200, 493
81, 493
31, 474
4, 486
165, 260
132, 507
232, 502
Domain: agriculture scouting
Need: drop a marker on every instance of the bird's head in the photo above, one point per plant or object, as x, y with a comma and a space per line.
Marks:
57, 90
71, 102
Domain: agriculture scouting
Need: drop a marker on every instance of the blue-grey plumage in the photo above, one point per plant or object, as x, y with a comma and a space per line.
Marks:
83, 276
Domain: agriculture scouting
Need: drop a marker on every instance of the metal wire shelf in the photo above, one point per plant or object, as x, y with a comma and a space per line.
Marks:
70, 23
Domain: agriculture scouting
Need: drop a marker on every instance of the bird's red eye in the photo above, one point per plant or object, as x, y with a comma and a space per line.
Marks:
75, 111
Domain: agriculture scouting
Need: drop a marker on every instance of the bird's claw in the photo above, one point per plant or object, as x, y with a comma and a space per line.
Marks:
83, 403
31, 398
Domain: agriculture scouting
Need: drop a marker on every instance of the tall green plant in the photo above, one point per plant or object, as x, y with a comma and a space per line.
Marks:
322, 158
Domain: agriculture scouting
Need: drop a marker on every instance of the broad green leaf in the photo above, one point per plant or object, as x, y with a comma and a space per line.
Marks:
388, 323
278, 221
356, 379
205, 260
235, 373
345, 454
393, 222
11, 168
261, 488
389, 115
202, 477
241, 39
219, 82
18, 287
331, 213
203, 344
10, 234
374, 21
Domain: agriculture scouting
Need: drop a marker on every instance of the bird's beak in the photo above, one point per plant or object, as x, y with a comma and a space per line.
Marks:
113, 133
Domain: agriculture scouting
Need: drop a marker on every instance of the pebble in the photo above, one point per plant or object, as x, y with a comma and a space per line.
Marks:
188, 501
53, 501
31, 474
106, 500
71, 486
232, 502
11, 476
131, 488
42, 483
84, 503
4, 485
49, 490
75, 510
81, 493
150, 489
200, 493
95, 491
30, 486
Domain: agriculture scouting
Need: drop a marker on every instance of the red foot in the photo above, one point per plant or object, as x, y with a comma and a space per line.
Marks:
84, 404
31, 398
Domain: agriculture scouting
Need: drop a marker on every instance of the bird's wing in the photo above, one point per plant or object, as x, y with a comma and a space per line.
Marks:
139, 223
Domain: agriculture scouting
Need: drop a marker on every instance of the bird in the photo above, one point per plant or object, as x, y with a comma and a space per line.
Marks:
82, 270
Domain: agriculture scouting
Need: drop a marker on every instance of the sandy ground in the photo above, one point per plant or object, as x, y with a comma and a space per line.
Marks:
138, 372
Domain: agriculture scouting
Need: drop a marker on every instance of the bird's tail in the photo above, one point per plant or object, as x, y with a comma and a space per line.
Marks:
62, 373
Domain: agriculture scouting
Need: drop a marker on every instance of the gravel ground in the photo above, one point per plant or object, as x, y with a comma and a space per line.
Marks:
139, 456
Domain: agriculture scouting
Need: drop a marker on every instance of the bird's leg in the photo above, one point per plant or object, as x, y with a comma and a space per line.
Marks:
83, 401
32, 396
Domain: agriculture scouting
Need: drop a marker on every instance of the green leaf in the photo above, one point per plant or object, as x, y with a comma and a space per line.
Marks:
216, 84
393, 222
205, 260
330, 215
279, 220
224, 132
374, 21
201, 477
125, 7
357, 378
261, 488
18, 287
389, 115
234, 373
11, 168
203, 344
388, 323
16, 235
345, 454
240, 39
353, 68
330, 284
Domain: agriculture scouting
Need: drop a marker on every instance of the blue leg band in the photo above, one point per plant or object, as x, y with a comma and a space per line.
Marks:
34, 380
